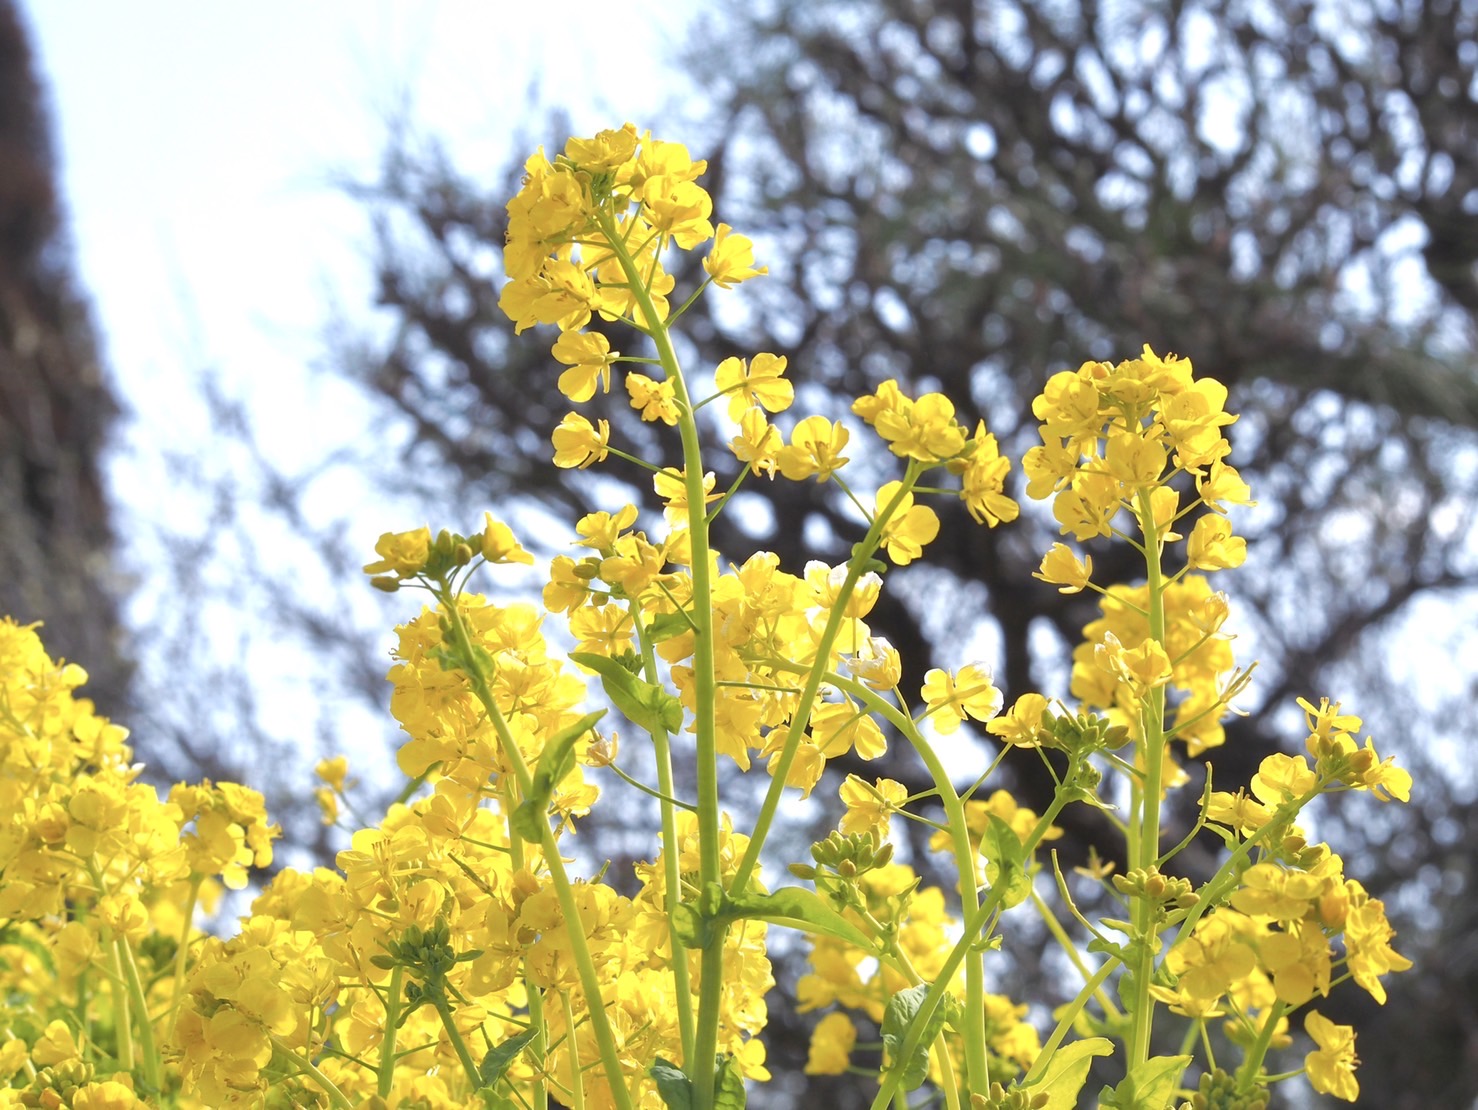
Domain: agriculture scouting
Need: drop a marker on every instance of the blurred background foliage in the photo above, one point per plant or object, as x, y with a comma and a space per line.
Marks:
965, 196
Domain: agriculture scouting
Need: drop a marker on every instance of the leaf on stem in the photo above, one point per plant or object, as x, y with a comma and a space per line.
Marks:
900, 1016
496, 1062
1151, 1082
1065, 1076
645, 704
557, 760
793, 907
675, 1088
728, 1085
1002, 848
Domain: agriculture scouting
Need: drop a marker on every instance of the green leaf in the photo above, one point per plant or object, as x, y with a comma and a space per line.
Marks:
1067, 1072
664, 626
898, 1019
645, 704
530, 819
496, 1062
728, 1085
1150, 1084
792, 906
1003, 849
673, 1086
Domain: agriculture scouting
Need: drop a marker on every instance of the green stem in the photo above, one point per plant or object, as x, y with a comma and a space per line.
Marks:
182, 953
974, 927
1252, 1064
454, 1035
1070, 949
120, 990
385, 1075
671, 856
336, 1097
152, 1068
1065, 1023
700, 1067
577, 1088
946, 1068
800, 719
1144, 842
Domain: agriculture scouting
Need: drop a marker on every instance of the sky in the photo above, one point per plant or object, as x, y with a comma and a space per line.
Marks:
199, 145
201, 148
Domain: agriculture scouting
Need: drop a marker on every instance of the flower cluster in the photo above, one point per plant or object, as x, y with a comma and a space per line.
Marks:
99, 878
465, 952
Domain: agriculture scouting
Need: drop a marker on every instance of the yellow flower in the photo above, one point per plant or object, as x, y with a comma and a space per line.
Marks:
1022, 725
1048, 468
869, 807
909, 527
805, 769
559, 293
758, 382
1193, 419
756, 443
1332, 1065
831, 1045
1297, 961
1281, 778
333, 772
653, 399
1222, 483
658, 158
1060, 567
1367, 771
815, 450
1368, 945
731, 260
1213, 547
924, 429
403, 554
499, 546
1238, 811
1213, 957
678, 208
589, 356
840, 727
1088, 507
1069, 407
578, 443
877, 664
110, 1094
605, 152
1135, 459
671, 485
1143, 667
55, 1045
983, 470
951, 698
600, 529
601, 629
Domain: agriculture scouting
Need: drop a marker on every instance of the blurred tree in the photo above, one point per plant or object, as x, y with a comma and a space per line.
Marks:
968, 196
57, 561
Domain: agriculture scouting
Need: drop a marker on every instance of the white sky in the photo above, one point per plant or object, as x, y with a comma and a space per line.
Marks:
197, 141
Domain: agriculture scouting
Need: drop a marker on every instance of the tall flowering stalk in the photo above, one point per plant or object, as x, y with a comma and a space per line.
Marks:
458, 957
